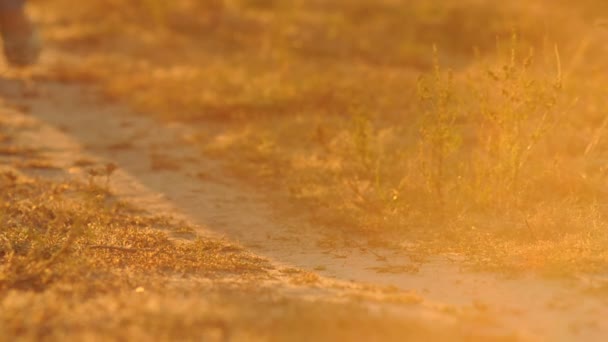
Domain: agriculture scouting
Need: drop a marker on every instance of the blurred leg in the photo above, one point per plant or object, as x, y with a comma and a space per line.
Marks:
20, 39
11, 5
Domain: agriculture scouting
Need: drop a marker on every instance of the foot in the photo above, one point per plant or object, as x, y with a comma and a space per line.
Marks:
21, 40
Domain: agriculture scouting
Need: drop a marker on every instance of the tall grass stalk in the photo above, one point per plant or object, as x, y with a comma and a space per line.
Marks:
439, 137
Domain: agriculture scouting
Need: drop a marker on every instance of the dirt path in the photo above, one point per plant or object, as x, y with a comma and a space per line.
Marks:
161, 171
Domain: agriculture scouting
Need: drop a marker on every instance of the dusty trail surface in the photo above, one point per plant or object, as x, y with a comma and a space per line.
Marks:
159, 169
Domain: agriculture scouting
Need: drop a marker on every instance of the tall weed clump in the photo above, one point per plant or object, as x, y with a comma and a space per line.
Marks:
479, 146
514, 107
481, 136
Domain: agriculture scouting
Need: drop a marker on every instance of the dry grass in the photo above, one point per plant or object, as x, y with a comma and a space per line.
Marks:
500, 159
54, 233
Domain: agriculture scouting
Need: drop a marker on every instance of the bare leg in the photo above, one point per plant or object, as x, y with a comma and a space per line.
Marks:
20, 39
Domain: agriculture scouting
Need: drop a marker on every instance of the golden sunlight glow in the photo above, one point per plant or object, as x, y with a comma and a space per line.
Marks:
332, 170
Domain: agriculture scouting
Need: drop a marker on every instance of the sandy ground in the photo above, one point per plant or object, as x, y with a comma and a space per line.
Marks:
160, 170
